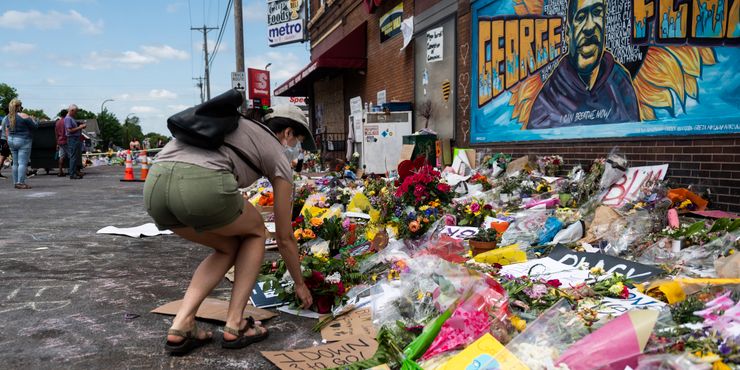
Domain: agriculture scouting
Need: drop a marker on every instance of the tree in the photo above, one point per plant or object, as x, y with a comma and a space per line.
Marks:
155, 137
130, 130
110, 129
38, 113
7, 93
83, 114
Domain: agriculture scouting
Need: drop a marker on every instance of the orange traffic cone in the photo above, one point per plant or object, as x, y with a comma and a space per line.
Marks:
144, 164
128, 174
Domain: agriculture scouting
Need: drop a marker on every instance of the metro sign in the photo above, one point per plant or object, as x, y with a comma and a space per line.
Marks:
259, 85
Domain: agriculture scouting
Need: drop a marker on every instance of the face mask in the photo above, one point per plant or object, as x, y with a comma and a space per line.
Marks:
292, 152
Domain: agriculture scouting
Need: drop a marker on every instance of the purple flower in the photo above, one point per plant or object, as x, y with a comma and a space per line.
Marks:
536, 291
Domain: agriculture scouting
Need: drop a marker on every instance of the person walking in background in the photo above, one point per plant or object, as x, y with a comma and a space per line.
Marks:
134, 145
19, 128
74, 142
4, 150
61, 135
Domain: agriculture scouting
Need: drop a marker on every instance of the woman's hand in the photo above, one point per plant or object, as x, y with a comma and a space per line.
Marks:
302, 292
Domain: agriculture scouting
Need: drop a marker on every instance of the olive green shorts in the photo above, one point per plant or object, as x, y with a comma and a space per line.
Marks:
180, 195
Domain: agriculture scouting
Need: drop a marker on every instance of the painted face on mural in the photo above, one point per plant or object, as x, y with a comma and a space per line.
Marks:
586, 20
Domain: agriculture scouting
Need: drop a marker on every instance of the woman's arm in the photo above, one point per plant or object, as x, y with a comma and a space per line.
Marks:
287, 245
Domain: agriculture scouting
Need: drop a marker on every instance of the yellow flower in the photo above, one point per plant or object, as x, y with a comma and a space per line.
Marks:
371, 193
597, 271
423, 208
298, 233
316, 221
518, 323
719, 365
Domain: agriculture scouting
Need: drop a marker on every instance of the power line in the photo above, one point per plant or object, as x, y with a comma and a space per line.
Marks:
221, 31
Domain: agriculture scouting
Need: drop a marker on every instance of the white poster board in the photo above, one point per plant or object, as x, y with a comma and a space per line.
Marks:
435, 39
627, 189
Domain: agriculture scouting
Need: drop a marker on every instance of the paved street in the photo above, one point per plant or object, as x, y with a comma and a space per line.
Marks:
68, 294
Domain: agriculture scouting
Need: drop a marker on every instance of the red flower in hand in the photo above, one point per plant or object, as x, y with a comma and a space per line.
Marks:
323, 304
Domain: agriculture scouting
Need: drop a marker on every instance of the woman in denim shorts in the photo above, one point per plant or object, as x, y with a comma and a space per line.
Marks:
195, 193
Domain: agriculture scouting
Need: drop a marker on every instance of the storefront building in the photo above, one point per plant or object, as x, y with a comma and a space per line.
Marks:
351, 56
496, 75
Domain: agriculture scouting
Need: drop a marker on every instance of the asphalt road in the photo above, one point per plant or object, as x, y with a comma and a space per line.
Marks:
68, 295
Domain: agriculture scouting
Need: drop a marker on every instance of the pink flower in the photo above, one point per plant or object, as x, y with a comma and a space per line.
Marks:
474, 207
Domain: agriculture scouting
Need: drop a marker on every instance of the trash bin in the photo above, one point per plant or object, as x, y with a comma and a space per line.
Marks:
44, 147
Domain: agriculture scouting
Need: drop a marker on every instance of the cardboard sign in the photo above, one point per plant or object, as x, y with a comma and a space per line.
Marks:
635, 301
407, 151
627, 189
460, 232
632, 270
331, 355
358, 323
215, 309
484, 353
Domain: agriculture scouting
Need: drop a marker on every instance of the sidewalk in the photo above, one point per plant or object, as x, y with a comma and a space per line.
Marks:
67, 291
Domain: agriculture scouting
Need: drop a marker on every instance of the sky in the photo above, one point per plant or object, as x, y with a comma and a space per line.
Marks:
140, 53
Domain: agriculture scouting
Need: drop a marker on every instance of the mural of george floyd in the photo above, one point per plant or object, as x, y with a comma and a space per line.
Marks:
559, 69
658, 79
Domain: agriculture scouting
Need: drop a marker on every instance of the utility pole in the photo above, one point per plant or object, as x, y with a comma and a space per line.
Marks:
205, 30
239, 40
200, 87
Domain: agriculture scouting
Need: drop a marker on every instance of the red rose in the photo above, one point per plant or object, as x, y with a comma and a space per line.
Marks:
625, 293
488, 207
555, 283
443, 187
323, 304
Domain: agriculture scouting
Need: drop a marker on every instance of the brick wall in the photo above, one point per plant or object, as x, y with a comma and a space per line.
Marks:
388, 67
706, 161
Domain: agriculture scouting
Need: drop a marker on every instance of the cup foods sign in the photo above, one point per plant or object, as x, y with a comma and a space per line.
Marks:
285, 22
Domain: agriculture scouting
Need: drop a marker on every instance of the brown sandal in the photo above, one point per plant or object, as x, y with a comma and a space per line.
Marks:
190, 341
242, 340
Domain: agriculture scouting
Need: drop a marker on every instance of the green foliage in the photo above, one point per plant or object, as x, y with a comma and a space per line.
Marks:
683, 312
110, 129
154, 138
84, 114
7, 93
38, 113
487, 235
130, 129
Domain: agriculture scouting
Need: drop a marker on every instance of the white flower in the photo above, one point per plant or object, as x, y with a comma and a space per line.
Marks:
334, 278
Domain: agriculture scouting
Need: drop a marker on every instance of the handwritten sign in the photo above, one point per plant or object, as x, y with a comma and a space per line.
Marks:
435, 39
632, 270
635, 301
327, 356
358, 323
627, 189
460, 232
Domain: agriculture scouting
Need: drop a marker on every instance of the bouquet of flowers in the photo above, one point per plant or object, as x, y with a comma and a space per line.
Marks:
413, 223
354, 163
471, 213
327, 278
421, 185
532, 296
479, 179
550, 164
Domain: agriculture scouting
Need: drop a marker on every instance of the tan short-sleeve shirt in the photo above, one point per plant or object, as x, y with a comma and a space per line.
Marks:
255, 142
